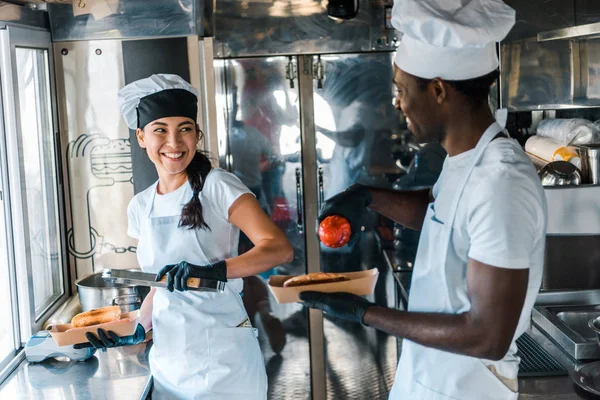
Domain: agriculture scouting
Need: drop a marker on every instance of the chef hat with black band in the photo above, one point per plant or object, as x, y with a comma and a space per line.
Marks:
155, 97
450, 39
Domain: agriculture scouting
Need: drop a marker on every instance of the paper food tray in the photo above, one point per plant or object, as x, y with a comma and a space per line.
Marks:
361, 283
64, 334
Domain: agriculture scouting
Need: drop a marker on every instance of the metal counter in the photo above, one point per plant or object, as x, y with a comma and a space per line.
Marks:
120, 373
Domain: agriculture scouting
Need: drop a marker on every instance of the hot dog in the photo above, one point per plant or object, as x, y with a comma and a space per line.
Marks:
96, 316
315, 277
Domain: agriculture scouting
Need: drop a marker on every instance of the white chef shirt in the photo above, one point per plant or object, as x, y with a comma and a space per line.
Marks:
500, 221
220, 191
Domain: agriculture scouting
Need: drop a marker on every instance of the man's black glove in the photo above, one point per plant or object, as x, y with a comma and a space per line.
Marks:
350, 204
178, 274
110, 339
346, 306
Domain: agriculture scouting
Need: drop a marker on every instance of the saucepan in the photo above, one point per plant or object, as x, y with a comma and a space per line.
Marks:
95, 292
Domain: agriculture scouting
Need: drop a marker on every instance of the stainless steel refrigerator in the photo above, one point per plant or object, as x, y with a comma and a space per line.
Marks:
297, 130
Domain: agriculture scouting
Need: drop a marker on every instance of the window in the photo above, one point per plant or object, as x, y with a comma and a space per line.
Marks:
32, 266
38, 177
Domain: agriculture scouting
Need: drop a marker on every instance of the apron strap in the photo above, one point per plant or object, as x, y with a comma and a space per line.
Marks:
489, 135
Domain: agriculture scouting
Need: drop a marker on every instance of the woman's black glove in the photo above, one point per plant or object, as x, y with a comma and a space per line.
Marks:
110, 339
178, 274
350, 204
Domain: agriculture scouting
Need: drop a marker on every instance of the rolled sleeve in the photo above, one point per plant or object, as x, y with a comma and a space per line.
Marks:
133, 220
225, 188
504, 220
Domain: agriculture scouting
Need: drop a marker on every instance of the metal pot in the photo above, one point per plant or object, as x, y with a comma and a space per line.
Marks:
95, 292
559, 173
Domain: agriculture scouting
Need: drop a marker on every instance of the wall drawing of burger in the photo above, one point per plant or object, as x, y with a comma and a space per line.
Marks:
100, 187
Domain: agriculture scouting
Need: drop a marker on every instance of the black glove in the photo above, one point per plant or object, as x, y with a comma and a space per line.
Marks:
346, 306
350, 204
178, 274
110, 339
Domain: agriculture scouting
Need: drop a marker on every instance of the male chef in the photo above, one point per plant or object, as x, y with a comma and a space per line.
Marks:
479, 263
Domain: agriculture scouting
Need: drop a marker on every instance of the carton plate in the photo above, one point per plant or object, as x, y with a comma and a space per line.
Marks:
361, 283
65, 334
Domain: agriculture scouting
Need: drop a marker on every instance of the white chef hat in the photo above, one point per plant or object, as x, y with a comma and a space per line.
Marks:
450, 39
158, 96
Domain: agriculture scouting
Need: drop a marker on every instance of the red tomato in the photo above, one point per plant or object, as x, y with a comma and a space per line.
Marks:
334, 231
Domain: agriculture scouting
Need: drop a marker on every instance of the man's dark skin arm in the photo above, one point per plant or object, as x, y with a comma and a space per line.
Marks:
486, 331
406, 208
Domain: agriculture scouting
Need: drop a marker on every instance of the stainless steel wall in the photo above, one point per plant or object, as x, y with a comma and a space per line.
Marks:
554, 74
259, 28
536, 75
114, 19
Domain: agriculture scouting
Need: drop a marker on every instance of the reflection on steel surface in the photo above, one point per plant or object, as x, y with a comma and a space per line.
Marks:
535, 74
128, 19
550, 75
257, 28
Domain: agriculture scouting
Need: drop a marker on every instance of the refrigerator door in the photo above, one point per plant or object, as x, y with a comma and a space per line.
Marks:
355, 121
258, 123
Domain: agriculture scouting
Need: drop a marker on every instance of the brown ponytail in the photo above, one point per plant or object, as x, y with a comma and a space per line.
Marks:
191, 215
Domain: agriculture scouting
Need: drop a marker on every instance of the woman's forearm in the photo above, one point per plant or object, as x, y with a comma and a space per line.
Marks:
265, 255
146, 310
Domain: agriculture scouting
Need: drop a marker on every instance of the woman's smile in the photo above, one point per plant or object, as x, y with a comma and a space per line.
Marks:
173, 156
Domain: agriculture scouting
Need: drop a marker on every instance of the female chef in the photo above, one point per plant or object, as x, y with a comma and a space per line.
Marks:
188, 225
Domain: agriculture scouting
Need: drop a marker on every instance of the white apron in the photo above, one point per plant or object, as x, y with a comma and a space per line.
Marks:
425, 373
198, 352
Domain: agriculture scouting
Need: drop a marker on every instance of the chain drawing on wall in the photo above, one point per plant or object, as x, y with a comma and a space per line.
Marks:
100, 187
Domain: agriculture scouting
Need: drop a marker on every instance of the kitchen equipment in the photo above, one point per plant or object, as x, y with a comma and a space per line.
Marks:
568, 326
594, 324
590, 163
560, 173
535, 360
41, 346
146, 279
588, 377
95, 292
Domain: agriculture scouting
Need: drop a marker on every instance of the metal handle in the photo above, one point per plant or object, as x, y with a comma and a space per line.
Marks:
290, 71
126, 300
319, 72
321, 194
299, 202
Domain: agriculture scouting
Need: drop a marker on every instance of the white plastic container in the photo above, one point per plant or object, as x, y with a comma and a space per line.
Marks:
551, 150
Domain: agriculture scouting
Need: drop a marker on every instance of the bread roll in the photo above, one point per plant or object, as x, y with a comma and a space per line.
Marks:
96, 316
315, 277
